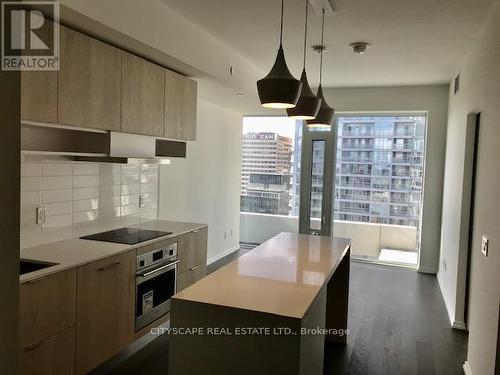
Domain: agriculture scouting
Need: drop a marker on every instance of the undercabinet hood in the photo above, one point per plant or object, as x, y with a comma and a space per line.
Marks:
96, 145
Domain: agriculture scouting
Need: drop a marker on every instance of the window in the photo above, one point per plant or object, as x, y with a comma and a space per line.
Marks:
379, 168
268, 165
393, 182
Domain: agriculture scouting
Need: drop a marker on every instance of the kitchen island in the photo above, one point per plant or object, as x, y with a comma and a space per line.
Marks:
268, 312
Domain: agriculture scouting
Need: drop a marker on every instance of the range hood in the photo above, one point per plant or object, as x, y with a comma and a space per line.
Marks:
96, 145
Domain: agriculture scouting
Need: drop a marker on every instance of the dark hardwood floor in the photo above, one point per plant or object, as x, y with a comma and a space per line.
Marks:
397, 320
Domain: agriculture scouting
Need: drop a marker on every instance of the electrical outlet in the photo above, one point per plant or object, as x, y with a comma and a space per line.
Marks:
485, 243
40, 215
444, 264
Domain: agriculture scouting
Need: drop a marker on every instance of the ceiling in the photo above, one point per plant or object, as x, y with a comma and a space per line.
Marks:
412, 42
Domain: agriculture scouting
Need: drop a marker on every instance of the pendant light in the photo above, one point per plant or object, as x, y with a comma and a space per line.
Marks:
279, 89
324, 118
308, 105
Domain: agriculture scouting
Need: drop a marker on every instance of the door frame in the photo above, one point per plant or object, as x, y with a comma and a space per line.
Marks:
309, 136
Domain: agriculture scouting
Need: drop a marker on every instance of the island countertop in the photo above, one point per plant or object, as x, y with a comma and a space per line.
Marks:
282, 276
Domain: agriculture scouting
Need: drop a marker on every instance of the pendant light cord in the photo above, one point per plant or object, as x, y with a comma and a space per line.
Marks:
322, 47
305, 35
281, 27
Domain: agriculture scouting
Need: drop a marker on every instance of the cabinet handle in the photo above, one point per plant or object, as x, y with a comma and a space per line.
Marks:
109, 266
33, 346
194, 268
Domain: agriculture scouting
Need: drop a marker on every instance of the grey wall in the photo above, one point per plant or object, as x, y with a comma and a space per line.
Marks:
480, 92
9, 220
434, 101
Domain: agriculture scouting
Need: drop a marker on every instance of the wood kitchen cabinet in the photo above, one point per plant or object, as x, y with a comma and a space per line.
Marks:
192, 275
46, 306
180, 106
47, 315
55, 355
89, 81
39, 95
143, 96
192, 250
105, 309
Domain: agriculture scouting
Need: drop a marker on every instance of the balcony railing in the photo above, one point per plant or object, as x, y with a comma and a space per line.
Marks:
367, 239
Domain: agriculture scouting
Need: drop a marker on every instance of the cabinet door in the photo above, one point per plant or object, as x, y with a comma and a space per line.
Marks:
192, 249
46, 306
39, 95
191, 276
54, 355
180, 106
105, 308
143, 93
89, 82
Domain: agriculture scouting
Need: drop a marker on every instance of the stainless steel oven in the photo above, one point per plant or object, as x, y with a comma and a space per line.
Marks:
156, 282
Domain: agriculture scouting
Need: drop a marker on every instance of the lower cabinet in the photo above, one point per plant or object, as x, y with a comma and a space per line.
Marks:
191, 276
54, 355
105, 310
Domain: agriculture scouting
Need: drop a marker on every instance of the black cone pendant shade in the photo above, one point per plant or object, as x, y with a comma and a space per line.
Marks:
325, 115
324, 118
279, 89
308, 105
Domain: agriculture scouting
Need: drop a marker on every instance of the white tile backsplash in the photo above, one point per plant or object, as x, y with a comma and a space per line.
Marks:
83, 198
57, 182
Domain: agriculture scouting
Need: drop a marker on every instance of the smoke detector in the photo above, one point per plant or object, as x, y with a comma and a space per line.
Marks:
359, 48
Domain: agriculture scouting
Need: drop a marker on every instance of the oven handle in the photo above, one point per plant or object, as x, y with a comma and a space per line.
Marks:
146, 274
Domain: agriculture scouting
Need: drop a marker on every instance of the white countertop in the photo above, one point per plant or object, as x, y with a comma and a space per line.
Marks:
75, 252
282, 276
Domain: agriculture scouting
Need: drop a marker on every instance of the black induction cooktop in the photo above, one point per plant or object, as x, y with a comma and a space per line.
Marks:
129, 236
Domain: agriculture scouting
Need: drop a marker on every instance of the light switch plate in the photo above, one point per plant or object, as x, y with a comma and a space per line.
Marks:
485, 243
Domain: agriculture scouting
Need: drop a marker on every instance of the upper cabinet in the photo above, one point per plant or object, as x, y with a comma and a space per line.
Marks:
39, 96
89, 82
180, 106
143, 92
102, 87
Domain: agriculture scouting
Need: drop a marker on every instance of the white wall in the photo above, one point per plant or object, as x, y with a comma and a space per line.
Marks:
205, 187
434, 100
480, 92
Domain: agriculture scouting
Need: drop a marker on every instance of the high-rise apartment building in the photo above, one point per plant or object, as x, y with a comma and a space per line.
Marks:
379, 169
265, 173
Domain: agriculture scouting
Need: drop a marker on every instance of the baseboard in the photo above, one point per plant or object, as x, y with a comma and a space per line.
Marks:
223, 254
428, 270
467, 369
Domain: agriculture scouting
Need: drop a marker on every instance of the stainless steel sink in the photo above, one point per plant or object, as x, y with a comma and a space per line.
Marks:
27, 266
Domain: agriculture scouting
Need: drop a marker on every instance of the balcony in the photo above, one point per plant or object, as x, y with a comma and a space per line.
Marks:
357, 146
378, 242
